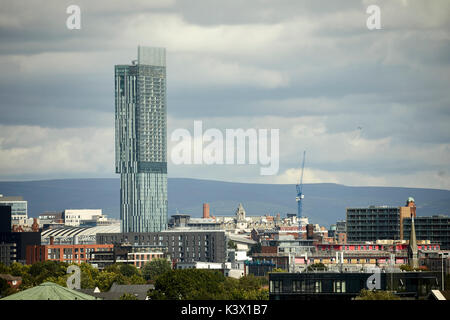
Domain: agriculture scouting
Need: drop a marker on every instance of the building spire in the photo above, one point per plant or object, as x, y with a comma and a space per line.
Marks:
413, 252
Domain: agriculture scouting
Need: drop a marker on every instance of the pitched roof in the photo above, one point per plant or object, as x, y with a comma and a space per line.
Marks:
9, 277
116, 291
49, 291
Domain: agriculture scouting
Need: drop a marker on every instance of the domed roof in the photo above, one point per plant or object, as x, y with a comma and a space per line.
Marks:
410, 199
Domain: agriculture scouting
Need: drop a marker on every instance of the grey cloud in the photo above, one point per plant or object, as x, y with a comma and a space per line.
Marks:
318, 64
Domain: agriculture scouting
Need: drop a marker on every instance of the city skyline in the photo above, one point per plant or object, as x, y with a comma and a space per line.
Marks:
369, 106
305, 145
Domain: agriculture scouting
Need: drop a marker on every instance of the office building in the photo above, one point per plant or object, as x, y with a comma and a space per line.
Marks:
373, 223
19, 208
141, 146
348, 285
434, 228
8, 253
5, 218
77, 217
378, 222
21, 240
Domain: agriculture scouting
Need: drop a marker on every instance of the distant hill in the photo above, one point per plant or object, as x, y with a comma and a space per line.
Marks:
324, 202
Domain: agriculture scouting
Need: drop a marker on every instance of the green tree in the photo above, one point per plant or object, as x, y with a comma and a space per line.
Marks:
198, 284
17, 269
189, 284
88, 275
4, 269
376, 295
278, 270
41, 271
113, 268
105, 280
128, 296
232, 245
406, 267
61, 280
128, 270
136, 279
249, 282
256, 248
5, 289
317, 267
246, 288
155, 268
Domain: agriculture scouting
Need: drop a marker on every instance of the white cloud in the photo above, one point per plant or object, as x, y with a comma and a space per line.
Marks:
42, 151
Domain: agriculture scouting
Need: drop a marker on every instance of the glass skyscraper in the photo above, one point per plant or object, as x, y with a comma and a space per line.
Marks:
141, 143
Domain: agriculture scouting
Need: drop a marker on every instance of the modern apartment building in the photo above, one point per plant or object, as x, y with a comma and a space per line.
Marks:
373, 223
70, 253
138, 255
141, 141
434, 228
183, 246
19, 207
8, 253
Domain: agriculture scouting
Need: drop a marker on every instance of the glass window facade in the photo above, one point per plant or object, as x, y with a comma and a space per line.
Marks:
19, 209
141, 141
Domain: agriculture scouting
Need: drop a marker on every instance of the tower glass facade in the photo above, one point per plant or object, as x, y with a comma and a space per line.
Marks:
141, 141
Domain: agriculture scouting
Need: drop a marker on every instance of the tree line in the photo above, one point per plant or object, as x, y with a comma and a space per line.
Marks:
169, 284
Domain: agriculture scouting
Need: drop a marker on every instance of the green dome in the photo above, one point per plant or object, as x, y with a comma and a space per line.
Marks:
410, 199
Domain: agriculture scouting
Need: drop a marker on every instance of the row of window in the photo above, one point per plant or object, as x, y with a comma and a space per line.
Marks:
309, 286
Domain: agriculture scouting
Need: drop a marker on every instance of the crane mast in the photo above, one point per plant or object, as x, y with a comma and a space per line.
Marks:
299, 187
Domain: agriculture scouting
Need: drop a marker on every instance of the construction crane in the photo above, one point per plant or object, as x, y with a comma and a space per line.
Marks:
299, 186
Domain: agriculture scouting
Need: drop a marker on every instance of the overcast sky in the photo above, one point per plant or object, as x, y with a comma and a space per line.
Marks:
371, 108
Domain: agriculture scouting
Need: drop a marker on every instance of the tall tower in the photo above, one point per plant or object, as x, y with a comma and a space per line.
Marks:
141, 141
412, 249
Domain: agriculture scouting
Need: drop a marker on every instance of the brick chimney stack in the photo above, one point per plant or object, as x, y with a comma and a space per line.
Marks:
205, 210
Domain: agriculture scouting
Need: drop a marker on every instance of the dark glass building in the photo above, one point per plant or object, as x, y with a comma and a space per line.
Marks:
346, 286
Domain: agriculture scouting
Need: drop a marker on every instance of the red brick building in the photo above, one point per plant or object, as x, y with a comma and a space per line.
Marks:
70, 253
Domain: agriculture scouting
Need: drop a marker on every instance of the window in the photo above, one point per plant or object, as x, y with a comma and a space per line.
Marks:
318, 286
339, 286
299, 286
276, 286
